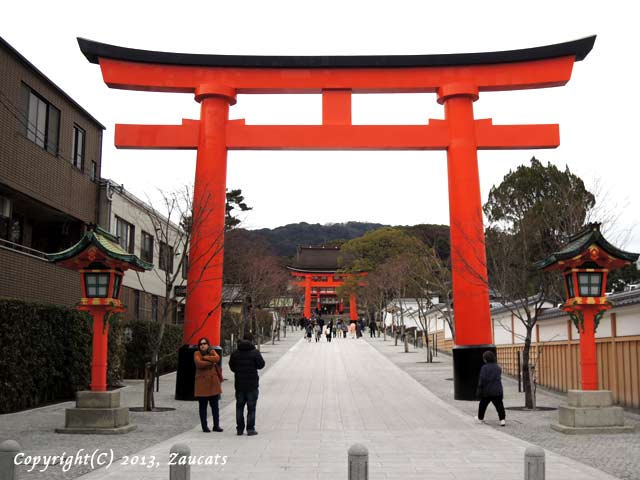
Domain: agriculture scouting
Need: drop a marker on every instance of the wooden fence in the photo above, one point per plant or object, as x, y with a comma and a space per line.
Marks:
558, 365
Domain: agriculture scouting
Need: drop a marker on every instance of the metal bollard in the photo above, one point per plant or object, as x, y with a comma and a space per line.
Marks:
8, 451
358, 462
177, 471
534, 463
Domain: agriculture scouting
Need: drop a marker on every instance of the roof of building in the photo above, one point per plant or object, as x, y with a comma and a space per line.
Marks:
105, 242
580, 242
619, 299
319, 259
32, 67
232, 293
577, 48
115, 188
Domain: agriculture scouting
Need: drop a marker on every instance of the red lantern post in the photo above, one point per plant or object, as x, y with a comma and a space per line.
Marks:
102, 263
586, 261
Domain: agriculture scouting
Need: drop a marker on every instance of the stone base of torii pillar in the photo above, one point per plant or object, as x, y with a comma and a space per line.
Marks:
591, 411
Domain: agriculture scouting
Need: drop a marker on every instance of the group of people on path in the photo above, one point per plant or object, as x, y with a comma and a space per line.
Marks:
247, 360
244, 363
315, 328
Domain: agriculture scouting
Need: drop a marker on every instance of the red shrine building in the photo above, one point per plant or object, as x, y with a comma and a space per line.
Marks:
315, 269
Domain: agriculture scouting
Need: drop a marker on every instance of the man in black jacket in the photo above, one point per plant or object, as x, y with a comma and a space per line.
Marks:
245, 363
490, 387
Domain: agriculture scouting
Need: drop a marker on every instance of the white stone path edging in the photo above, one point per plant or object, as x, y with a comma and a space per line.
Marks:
321, 398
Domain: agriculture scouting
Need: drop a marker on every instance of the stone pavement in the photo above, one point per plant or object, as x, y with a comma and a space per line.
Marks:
617, 454
34, 429
319, 399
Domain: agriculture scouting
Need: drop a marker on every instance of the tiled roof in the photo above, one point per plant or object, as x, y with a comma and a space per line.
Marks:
620, 299
322, 259
579, 242
107, 243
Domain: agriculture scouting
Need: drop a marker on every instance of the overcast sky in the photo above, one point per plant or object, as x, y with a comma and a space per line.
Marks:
597, 110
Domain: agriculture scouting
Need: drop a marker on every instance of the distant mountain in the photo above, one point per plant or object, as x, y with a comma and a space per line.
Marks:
285, 240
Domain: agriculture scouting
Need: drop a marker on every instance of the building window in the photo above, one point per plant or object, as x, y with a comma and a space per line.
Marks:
165, 259
77, 148
94, 171
125, 233
5, 217
185, 266
42, 120
146, 247
154, 308
16, 230
136, 304
180, 314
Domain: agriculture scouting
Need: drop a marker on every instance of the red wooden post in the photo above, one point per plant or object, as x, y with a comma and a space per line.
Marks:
588, 357
100, 350
353, 308
204, 282
468, 254
307, 296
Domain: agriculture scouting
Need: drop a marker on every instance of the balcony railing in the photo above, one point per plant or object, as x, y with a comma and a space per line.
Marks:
22, 249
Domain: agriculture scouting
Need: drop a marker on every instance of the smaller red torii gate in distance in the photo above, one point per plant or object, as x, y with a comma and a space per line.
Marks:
306, 280
456, 79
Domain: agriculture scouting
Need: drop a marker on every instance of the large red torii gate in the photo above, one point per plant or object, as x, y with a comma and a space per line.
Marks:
457, 79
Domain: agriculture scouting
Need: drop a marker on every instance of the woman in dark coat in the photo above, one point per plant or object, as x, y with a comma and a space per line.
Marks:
207, 385
490, 387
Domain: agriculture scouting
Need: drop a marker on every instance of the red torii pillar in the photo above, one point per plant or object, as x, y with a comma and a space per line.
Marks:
307, 297
206, 253
456, 78
353, 308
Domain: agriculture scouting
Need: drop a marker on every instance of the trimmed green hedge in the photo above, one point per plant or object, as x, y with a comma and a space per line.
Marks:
140, 338
45, 352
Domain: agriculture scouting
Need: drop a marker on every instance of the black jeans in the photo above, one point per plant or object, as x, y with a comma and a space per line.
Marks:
250, 399
202, 404
497, 402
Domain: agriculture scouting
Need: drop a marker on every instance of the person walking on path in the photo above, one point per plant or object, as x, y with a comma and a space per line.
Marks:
245, 363
207, 384
309, 332
490, 387
372, 328
327, 332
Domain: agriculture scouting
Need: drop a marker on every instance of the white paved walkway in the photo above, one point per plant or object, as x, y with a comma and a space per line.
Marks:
320, 398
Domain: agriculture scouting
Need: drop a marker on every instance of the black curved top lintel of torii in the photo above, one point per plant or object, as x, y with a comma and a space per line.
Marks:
93, 51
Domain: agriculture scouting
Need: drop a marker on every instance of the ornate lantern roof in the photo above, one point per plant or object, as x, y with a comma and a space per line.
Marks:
588, 245
98, 246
